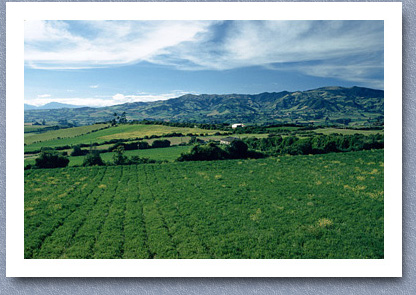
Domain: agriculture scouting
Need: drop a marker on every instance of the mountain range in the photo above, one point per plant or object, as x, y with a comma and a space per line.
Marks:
50, 106
335, 104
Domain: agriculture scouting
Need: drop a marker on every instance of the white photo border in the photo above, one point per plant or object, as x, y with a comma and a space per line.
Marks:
390, 266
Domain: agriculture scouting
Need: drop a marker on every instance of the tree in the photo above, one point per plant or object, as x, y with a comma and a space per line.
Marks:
207, 152
119, 158
93, 158
114, 121
77, 151
142, 145
123, 119
51, 159
237, 149
161, 143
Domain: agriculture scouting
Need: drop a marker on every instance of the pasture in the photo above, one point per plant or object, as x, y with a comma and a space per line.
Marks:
158, 154
308, 207
328, 131
62, 133
116, 132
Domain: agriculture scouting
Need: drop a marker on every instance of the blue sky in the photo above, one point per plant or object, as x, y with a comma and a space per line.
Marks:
100, 63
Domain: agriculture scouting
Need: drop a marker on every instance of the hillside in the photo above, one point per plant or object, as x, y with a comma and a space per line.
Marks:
327, 104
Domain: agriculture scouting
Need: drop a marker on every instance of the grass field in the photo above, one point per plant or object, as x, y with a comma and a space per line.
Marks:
159, 154
322, 206
117, 132
62, 133
33, 128
327, 131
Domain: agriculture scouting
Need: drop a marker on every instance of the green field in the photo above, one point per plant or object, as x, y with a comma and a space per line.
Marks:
328, 131
116, 132
321, 206
34, 128
62, 133
159, 154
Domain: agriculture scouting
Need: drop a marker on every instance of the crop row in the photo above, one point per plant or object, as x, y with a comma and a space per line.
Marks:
322, 206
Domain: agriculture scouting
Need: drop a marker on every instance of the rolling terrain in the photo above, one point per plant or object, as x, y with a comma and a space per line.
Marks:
328, 104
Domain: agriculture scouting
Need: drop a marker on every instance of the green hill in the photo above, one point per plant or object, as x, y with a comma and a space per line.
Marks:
328, 104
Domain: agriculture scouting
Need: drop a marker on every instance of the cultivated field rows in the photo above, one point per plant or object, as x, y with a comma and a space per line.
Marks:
267, 208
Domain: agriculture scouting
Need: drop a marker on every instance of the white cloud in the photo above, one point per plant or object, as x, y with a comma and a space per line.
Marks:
103, 101
114, 43
205, 45
146, 97
43, 95
94, 86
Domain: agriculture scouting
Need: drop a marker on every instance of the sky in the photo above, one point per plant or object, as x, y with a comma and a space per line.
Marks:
102, 63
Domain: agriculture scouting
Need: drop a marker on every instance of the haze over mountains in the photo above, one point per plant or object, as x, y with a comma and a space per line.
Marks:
50, 106
335, 104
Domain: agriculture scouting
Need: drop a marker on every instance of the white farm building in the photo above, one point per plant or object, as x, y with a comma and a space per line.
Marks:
237, 125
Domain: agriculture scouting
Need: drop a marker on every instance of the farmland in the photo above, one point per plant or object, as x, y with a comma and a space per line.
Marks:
327, 131
38, 141
160, 154
62, 133
320, 206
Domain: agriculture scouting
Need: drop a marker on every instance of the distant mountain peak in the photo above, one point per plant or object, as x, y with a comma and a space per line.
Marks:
51, 105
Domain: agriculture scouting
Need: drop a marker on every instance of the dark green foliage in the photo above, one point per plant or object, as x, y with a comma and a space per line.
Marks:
119, 158
93, 158
123, 119
77, 151
207, 152
51, 159
161, 143
237, 149
210, 152
318, 144
126, 146
134, 160
142, 145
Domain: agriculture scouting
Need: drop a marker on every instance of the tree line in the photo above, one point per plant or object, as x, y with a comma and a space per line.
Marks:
319, 144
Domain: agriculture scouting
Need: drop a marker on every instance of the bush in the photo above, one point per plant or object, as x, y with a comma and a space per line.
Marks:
207, 152
161, 143
93, 158
237, 150
51, 159
119, 158
142, 145
77, 151
138, 160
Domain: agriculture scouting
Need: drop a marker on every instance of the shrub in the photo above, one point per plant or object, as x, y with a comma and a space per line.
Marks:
93, 158
119, 158
237, 150
51, 159
142, 145
77, 151
161, 143
207, 152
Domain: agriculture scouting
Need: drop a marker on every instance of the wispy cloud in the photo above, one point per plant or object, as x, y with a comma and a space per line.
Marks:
311, 47
113, 42
94, 86
43, 95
